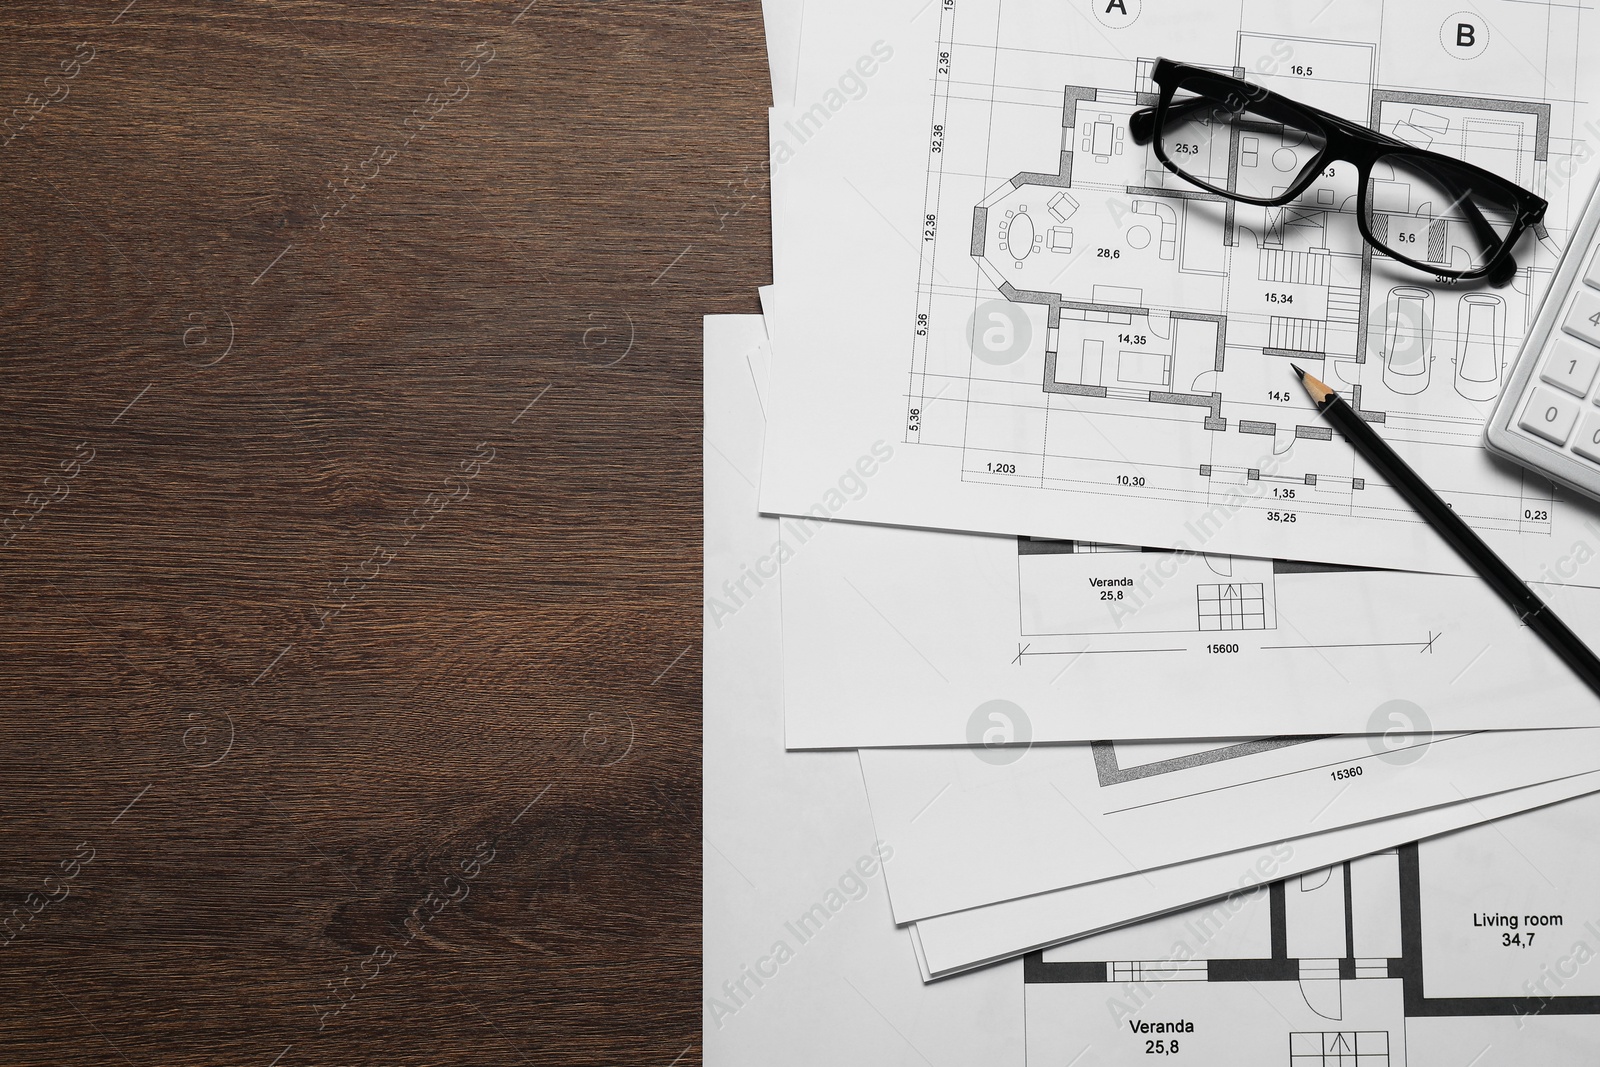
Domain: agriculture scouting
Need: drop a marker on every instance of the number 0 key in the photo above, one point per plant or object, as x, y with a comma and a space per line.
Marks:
1550, 415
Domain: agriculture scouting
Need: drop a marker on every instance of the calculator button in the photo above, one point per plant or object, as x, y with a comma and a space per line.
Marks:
1592, 275
1583, 318
1588, 443
1571, 366
1550, 415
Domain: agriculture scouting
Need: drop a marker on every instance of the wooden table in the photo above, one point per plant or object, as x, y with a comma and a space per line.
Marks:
350, 426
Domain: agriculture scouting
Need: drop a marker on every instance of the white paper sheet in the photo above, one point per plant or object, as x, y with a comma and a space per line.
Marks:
899, 334
803, 964
970, 831
896, 637
959, 941
783, 20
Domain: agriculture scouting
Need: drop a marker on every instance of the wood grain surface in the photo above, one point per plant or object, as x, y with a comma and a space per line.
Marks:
350, 437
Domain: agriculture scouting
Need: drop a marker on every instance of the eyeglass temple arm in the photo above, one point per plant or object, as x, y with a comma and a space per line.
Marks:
1142, 123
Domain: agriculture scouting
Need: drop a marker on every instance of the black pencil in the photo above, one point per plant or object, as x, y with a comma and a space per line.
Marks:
1527, 604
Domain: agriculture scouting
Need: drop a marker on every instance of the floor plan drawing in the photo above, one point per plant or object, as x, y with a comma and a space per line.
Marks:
1179, 309
1063, 593
1473, 947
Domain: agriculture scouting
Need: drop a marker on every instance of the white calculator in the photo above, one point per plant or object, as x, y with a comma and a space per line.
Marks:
1549, 416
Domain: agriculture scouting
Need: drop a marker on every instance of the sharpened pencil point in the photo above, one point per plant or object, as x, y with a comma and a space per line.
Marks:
1319, 391
1298, 373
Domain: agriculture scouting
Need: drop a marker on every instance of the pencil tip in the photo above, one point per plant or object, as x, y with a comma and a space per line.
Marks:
1318, 390
1297, 371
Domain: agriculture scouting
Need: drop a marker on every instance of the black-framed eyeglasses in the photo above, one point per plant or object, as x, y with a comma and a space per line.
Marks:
1429, 210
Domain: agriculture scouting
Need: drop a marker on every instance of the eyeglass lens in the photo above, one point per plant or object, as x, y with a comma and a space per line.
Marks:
1199, 134
1427, 211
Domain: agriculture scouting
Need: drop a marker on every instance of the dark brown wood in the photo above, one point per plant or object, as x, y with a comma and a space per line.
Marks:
350, 443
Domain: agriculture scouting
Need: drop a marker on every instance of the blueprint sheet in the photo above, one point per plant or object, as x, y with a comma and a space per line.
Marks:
803, 964
974, 826
1057, 338
1475, 949
1090, 641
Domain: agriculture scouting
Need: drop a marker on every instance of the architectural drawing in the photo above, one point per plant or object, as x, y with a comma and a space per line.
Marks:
1141, 334
1130, 333
1371, 963
1065, 596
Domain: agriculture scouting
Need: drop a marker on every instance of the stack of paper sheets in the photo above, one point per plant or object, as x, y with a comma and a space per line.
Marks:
986, 784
